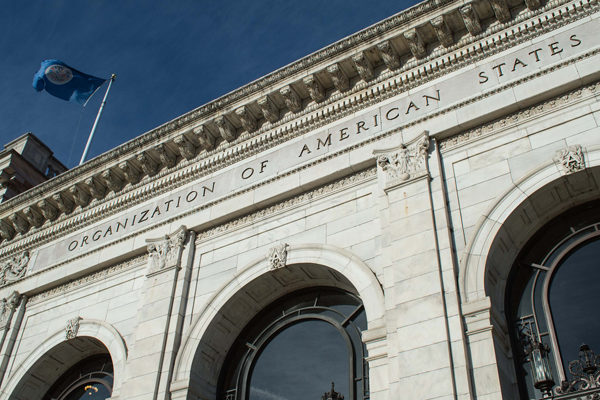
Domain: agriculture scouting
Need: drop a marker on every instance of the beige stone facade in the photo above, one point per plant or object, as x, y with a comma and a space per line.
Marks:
409, 165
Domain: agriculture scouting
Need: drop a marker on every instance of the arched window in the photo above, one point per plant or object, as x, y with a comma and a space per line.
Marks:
90, 379
297, 348
552, 299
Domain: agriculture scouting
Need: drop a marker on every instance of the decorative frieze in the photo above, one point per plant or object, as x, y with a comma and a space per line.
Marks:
363, 66
34, 216
405, 163
339, 78
20, 223
415, 43
314, 87
292, 100
248, 120
164, 155
131, 173
501, 10
226, 128
570, 159
471, 19
277, 256
205, 139
113, 181
149, 166
72, 328
186, 148
390, 57
14, 268
80, 196
269, 109
48, 210
166, 251
442, 31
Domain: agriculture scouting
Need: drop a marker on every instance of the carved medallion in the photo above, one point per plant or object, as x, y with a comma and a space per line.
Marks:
14, 268
72, 328
277, 256
570, 159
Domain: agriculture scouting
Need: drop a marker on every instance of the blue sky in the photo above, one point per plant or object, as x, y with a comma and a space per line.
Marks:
169, 56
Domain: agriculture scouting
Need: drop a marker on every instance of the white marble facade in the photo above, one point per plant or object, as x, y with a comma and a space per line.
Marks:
408, 164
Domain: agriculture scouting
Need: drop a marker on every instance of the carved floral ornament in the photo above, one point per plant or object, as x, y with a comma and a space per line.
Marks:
7, 308
404, 163
277, 256
570, 159
72, 328
14, 268
166, 251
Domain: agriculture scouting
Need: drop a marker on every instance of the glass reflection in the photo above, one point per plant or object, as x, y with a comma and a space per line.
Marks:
89, 391
573, 297
301, 362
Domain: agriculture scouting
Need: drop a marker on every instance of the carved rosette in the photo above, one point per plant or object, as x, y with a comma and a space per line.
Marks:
166, 252
277, 256
72, 328
404, 164
7, 308
571, 159
14, 268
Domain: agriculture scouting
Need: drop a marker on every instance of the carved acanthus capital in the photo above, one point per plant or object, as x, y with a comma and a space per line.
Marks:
570, 159
390, 57
471, 19
205, 139
339, 78
226, 128
48, 210
405, 163
269, 109
7, 308
363, 66
246, 118
14, 268
72, 328
415, 43
314, 87
165, 252
292, 100
277, 256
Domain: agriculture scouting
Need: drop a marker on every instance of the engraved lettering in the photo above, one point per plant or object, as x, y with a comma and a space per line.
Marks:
483, 78
361, 125
187, 198
575, 40
144, 216
387, 114
156, 211
247, 173
411, 105
84, 240
499, 68
326, 142
119, 224
108, 231
73, 245
554, 49
517, 62
168, 203
207, 189
427, 98
375, 120
535, 53
344, 134
304, 148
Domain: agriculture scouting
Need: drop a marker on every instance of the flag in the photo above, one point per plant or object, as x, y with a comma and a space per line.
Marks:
65, 82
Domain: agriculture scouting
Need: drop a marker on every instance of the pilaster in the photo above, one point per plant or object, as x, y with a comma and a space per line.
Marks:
426, 355
12, 310
160, 317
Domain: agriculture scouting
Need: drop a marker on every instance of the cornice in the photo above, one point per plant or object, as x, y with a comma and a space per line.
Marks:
118, 194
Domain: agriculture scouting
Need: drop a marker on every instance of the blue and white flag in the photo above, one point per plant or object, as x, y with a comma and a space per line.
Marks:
65, 82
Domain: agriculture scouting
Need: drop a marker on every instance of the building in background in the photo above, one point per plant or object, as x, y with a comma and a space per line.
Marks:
411, 212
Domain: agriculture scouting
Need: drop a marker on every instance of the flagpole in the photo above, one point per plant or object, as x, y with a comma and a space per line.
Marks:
87, 146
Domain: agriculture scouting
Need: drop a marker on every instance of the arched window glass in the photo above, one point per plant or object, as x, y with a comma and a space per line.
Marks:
552, 297
90, 379
297, 347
